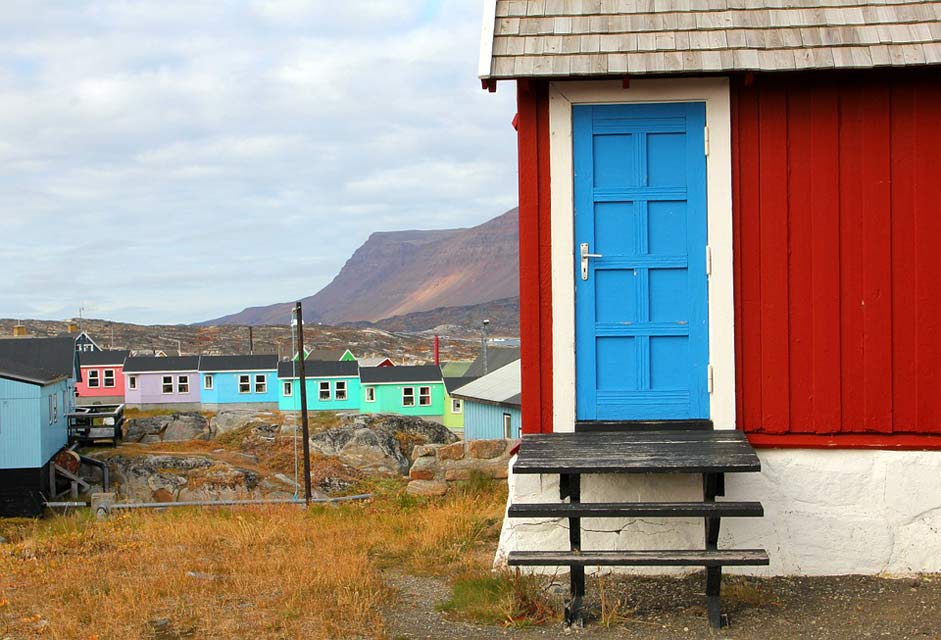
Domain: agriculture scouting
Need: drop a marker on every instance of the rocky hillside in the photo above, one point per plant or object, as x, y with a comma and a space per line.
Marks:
504, 316
403, 272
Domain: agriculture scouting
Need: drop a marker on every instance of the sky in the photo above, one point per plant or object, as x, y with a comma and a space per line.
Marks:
174, 162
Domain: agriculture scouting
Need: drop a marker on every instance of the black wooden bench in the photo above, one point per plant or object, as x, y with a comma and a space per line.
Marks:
602, 448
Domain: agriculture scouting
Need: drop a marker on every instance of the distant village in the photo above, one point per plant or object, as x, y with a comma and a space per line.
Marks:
50, 384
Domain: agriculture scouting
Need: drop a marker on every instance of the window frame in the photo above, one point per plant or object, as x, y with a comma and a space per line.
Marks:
104, 379
260, 385
507, 426
287, 388
423, 394
180, 382
132, 382
336, 390
165, 382
49, 400
457, 402
323, 385
96, 377
370, 394
209, 382
244, 381
408, 396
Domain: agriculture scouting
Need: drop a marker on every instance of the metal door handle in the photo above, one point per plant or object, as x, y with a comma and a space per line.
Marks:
584, 255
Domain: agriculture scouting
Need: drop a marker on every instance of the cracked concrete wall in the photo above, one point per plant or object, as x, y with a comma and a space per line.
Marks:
827, 512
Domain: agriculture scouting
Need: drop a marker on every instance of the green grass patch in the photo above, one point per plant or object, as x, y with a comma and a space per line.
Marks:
509, 598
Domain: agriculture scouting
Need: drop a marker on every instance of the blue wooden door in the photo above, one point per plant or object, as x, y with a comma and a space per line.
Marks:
641, 334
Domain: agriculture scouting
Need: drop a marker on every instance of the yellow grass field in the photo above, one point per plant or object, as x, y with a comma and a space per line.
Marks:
273, 572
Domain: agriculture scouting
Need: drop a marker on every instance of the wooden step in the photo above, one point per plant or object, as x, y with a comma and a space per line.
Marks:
637, 510
659, 558
594, 426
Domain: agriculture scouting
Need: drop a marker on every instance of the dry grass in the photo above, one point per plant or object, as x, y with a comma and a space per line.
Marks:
262, 572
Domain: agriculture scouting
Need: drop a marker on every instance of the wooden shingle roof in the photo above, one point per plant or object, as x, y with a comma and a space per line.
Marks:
565, 38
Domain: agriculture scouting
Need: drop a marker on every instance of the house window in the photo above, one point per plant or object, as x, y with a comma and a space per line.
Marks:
261, 383
183, 384
55, 407
339, 390
370, 394
109, 378
50, 409
287, 388
245, 384
207, 382
324, 391
457, 405
167, 384
424, 396
94, 380
507, 426
132, 382
408, 396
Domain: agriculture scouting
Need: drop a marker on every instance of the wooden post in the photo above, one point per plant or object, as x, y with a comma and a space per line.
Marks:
302, 379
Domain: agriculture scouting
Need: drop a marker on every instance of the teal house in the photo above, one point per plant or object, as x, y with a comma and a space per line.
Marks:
492, 404
411, 391
37, 390
331, 385
231, 381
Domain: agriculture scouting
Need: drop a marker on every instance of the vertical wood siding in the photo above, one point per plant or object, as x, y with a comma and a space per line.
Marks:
837, 223
485, 421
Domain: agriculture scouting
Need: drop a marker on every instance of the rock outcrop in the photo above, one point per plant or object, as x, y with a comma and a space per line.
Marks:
176, 427
437, 466
379, 443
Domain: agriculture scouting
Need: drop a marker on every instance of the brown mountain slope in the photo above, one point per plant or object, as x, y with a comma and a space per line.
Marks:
402, 272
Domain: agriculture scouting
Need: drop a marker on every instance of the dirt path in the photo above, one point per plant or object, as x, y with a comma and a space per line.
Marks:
846, 607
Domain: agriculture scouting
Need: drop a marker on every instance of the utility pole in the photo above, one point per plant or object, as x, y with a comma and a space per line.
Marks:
251, 341
483, 345
302, 379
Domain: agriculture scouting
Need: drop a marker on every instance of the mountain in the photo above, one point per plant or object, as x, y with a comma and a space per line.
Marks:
396, 273
503, 314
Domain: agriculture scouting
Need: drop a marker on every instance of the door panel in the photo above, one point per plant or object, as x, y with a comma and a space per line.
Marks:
641, 314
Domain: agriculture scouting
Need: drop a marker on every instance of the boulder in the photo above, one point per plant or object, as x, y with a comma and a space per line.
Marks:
229, 420
379, 443
176, 427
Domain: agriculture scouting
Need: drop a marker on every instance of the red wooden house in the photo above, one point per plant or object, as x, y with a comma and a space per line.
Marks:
728, 217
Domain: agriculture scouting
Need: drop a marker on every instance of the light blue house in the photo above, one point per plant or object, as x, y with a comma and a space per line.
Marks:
492, 404
231, 381
37, 390
331, 385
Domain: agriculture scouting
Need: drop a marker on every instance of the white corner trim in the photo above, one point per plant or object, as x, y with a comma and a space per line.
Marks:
488, 25
715, 93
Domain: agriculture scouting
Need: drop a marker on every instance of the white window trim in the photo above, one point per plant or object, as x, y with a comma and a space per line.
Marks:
104, 379
248, 380
370, 394
457, 402
715, 93
179, 384
507, 426
261, 379
414, 399
132, 382
422, 395
320, 389
97, 378
336, 390
208, 381
287, 388
164, 383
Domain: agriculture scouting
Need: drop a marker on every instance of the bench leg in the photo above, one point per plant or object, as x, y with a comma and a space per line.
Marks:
574, 612
713, 596
571, 487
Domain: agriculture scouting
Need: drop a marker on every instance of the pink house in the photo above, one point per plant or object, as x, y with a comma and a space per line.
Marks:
102, 379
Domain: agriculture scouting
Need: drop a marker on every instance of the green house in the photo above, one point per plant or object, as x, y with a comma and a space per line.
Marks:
454, 407
411, 391
331, 386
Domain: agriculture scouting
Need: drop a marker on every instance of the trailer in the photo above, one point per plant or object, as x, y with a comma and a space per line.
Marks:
92, 424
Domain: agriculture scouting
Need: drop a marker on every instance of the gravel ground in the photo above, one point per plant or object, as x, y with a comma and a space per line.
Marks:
768, 609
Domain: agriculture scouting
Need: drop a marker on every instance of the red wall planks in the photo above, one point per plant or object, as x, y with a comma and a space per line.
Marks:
535, 265
837, 216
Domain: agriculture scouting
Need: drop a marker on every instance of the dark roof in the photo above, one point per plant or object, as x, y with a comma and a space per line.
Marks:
94, 358
318, 368
265, 362
37, 360
146, 364
456, 383
514, 400
496, 357
379, 375
326, 355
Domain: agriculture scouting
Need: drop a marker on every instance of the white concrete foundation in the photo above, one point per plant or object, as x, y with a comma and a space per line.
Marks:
827, 512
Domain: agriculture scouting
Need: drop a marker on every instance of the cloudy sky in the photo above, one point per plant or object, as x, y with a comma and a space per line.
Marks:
173, 162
